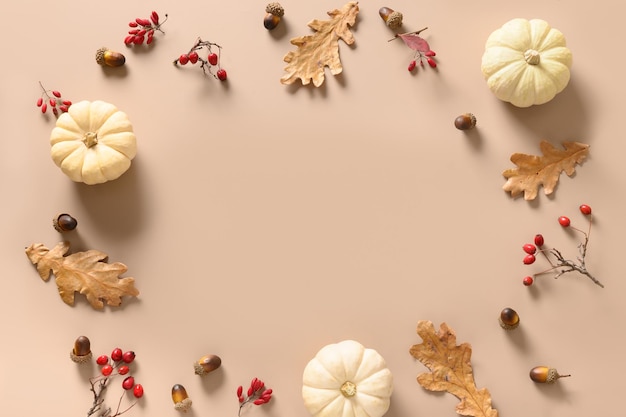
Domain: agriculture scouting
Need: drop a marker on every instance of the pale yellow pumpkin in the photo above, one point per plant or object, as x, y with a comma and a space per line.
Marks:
526, 62
346, 379
93, 142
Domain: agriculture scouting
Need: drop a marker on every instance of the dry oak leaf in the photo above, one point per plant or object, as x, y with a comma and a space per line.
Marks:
533, 171
320, 49
86, 272
451, 369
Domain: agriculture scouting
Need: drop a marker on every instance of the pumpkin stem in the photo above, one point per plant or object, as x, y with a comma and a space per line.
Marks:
348, 389
90, 139
532, 57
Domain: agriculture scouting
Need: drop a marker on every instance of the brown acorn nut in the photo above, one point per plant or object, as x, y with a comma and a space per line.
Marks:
274, 14
108, 58
82, 350
392, 18
182, 402
509, 319
465, 121
545, 375
64, 223
207, 364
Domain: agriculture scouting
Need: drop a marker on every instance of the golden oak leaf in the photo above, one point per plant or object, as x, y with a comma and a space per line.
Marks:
86, 272
533, 171
321, 49
451, 369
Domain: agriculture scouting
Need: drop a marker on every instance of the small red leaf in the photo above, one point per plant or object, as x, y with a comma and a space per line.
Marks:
414, 41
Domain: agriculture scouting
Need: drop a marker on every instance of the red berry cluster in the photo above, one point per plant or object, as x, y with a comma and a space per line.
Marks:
53, 99
207, 64
420, 57
142, 30
257, 394
558, 264
111, 366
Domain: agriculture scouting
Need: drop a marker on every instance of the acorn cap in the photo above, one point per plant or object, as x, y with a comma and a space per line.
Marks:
183, 405
394, 20
100, 55
275, 8
80, 358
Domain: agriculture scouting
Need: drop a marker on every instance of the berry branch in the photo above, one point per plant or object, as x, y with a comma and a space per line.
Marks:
422, 54
117, 364
560, 265
54, 99
212, 58
143, 29
257, 394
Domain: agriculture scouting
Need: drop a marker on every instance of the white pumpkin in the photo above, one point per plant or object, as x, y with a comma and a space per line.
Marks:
526, 62
93, 142
347, 380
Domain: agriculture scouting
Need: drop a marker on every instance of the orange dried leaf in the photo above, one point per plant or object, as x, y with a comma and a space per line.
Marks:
450, 369
321, 49
86, 272
533, 171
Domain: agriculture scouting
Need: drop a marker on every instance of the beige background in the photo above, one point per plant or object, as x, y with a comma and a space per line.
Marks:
263, 221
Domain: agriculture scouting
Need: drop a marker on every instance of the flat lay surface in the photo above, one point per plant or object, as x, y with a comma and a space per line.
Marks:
262, 221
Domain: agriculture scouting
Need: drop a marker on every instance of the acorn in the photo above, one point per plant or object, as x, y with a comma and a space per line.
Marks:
509, 319
392, 18
465, 121
64, 223
545, 375
207, 364
182, 402
274, 14
82, 350
108, 58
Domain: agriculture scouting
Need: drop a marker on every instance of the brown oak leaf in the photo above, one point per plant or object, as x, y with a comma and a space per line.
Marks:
450, 369
86, 272
320, 49
533, 171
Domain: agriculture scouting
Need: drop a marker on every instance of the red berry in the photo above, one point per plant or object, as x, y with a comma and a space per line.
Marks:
193, 57
106, 370
55, 111
129, 356
539, 240
530, 249
102, 360
529, 259
56, 94
116, 355
123, 370
138, 40
44, 107
53, 102
183, 59
412, 65
564, 221
129, 39
133, 24
528, 281
154, 16
39, 101
128, 382
430, 53
431, 62
221, 74
138, 391
585, 209
212, 58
